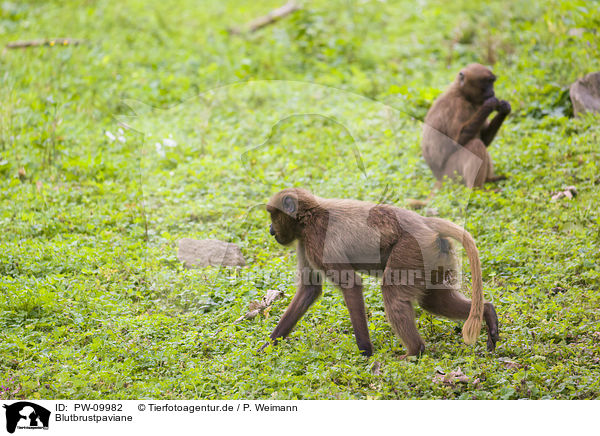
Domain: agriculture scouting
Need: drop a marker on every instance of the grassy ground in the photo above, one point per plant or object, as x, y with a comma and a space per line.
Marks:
93, 301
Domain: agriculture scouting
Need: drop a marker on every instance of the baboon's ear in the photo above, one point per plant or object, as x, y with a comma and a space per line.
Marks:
461, 78
289, 205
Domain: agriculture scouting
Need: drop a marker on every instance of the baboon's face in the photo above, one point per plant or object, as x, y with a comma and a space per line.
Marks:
283, 223
282, 228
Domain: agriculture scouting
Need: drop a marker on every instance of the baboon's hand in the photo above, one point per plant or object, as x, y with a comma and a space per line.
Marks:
265, 345
504, 107
491, 103
262, 348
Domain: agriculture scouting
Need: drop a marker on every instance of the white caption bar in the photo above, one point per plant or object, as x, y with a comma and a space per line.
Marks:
149, 417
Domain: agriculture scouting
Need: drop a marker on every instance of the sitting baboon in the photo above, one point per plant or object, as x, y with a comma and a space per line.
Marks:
457, 132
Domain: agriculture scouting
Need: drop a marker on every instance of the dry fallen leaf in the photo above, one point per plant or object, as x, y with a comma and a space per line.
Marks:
510, 364
266, 311
568, 192
271, 296
264, 305
557, 290
451, 378
253, 305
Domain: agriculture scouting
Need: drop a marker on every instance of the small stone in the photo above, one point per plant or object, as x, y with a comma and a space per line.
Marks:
585, 94
209, 252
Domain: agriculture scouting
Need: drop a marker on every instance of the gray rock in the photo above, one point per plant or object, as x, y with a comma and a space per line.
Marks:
209, 252
585, 94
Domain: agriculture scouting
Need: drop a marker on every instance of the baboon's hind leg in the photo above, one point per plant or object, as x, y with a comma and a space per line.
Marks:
452, 304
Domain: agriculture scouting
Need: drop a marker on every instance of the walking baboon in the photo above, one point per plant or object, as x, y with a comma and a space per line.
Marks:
457, 132
336, 238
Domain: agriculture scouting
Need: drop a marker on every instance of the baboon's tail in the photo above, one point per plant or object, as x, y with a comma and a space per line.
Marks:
472, 325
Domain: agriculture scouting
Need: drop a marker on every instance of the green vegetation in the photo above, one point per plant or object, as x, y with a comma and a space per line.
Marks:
93, 301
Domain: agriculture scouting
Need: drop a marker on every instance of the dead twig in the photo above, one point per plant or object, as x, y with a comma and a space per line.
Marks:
270, 18
44, 42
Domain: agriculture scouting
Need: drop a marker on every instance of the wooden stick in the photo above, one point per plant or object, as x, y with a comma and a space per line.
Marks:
271, 17
44, 42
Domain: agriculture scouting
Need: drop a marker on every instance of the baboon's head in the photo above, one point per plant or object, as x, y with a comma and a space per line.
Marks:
287, 209
476, 83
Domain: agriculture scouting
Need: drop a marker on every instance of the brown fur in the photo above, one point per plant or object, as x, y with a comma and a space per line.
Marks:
456, 132
336, 238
